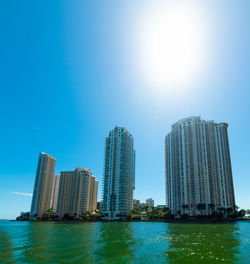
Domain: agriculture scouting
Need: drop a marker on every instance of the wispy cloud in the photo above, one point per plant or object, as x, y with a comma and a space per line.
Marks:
23, 194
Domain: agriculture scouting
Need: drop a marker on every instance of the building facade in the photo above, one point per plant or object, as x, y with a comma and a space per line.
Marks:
77, 193
55, 189
119, 174
93, 194
136, 203
198, 168
150, 202
42, 199
99, 206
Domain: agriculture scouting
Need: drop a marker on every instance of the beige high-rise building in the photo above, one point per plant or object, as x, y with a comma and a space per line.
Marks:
42, 194
77, 192
93, 194
55, 188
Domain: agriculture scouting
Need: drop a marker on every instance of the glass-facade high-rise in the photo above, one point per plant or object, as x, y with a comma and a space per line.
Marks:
119, 174
198, 168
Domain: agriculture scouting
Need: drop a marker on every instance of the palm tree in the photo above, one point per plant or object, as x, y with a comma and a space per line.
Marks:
49, 215
86, 215
145, 208
242, 212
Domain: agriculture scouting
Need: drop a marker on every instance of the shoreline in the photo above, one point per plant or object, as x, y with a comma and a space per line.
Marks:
148, 220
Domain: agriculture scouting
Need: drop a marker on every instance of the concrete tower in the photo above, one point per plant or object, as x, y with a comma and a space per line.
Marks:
198, 168
93, 194
77, 192
42, 195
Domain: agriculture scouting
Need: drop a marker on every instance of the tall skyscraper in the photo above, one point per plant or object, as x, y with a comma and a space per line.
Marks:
55, 188
42, 195
77, 192
198, 167
93, 194
119, 174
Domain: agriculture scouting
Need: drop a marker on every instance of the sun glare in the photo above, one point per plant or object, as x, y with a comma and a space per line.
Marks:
170, 44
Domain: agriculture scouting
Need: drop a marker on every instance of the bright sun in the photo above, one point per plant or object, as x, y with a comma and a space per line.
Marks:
170, 44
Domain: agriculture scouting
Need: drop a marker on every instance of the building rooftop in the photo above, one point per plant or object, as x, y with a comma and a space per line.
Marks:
45, 154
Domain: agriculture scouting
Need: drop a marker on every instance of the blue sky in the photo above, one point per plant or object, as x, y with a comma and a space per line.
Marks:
70, 72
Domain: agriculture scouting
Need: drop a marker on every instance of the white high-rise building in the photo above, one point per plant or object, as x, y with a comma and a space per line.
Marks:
42, 199
119, 174
198, 168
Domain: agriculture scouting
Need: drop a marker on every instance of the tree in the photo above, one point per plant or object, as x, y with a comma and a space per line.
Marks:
129, 215
133, 214
166, 209
242, 212
167, 212
135, 211
23, 217
86, 215
145, 208
49, 215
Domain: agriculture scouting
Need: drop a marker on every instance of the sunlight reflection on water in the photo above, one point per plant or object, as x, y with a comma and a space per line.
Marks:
124, 242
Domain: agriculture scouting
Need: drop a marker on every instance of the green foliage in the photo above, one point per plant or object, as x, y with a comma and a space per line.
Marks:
23, 217
89, 215
242, 212
156, 213
151, 213
49, 215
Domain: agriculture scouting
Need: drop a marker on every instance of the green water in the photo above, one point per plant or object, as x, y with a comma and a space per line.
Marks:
25, 242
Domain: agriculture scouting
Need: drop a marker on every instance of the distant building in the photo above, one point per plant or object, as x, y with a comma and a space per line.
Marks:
150, 202
198, 167
99, 206
143, 204
136, 203
42, 194
119, 174
161, 206
77, 192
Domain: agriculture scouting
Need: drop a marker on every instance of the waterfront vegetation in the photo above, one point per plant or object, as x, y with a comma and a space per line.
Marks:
144, 213
157, 213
